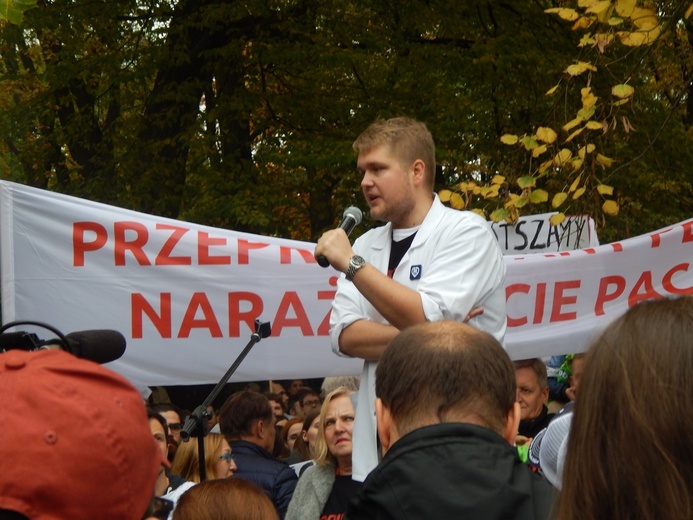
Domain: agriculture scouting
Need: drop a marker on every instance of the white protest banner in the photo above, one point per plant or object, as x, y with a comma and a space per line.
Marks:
186, 296
536, 234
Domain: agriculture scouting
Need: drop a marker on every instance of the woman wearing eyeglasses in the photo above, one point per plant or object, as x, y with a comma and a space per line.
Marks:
219, 462
325, 489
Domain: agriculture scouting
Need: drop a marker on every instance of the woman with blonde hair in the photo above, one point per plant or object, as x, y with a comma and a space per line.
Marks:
629, 452
219, 462
326, 488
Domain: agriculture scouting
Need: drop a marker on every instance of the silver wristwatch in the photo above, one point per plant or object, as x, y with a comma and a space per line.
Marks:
356, 263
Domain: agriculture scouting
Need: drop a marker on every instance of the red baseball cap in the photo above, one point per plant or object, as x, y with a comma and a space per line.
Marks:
75, 441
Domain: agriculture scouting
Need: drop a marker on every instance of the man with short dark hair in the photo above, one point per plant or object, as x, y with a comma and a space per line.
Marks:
447, 417
247, 422
532, 394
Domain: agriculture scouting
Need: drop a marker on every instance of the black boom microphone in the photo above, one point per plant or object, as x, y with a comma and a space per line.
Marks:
100, 346
350, 219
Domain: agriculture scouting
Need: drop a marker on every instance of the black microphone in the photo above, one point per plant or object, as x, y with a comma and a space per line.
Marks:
100, 346
350, 219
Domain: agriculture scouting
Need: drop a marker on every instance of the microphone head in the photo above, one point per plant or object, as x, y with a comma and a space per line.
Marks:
100, 346
353, 212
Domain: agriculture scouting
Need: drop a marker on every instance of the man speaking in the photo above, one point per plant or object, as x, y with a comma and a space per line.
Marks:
428, 263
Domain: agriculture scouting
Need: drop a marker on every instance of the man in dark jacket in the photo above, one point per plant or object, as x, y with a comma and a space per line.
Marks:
447, 414
247, 421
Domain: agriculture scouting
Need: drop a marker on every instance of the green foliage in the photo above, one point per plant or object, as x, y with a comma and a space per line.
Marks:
242, 114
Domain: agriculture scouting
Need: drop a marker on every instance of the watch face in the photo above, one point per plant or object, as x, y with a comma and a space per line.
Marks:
357, 261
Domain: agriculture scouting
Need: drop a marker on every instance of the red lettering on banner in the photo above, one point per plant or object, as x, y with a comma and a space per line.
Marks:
604, 295
509, 291
79, 246
291, 300
669, 286
199, 301
645, 281
244, 247
162, 321
656, 237
539, 303
236, 316
204, 242
687, 232
559, 300
617, 247
134, 246
324, 327
285, 255
164, 257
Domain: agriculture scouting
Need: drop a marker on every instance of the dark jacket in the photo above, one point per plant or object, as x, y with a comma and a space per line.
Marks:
257, 465
452, 470
530, 427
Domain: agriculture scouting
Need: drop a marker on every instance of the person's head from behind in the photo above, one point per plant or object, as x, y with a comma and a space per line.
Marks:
225, 499
444, 372
532, 387
76, 442
406, 139
219, 461
333, 444
248, 416
632, 424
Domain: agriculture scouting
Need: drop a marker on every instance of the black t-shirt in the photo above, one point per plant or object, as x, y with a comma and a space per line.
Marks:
343, 490
397, 251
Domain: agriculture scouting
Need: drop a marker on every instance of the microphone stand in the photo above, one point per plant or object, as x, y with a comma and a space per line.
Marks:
196, 423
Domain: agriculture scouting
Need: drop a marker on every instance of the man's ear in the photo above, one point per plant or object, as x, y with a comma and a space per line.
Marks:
545, 394
512, 423
418, 169
384, 419
259, 429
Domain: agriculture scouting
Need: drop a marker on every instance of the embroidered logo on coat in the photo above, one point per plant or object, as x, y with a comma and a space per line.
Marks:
415, 272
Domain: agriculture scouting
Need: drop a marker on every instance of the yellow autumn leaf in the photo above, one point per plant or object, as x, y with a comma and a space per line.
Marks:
582, 23
479, 212
456, 201
589, 101
546, 134
509, 139
576, 163
604, 189
551, 90
574, 134
622, 91
594, 125
615, 20
562, 157
620, 102
500, 214
638, 38
578, 193
538, 196
490, 192
610, 207
586, 40
529, 142
511, 203
644, 19
604, 160
575, 184
598, 7
579, 67
526, 182
586, 113
572, 123
556, 219
625, 7
565, 13
521, 202
444, 195
536, 152
603, 40
545, 165
689, 11
558, 199
498, 179
591, 147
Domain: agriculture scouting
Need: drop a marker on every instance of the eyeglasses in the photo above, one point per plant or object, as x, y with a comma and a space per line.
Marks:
175, 427
311, 402
159, 508
228, 457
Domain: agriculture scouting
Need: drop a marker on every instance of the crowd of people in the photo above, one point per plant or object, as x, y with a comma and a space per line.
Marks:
440, 424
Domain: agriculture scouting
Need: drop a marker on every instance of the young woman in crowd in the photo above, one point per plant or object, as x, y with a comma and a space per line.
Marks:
219, 462
304, 445
325, 489
629, 452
